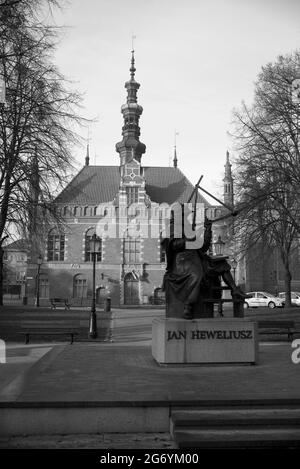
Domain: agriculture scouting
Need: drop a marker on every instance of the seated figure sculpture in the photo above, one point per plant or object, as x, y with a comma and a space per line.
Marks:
190, 272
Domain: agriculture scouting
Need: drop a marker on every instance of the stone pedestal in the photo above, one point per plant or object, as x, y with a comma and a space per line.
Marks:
213, 340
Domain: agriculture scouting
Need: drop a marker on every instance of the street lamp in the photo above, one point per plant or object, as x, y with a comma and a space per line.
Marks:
95, 246
234, 266
39, 263
219, 244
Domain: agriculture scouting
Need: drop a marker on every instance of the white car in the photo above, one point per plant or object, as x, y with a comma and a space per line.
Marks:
262, 298
295, 297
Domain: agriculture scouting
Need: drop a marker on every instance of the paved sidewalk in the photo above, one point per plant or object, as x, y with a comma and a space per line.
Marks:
100, 441
112, 375
19, 358
108, 374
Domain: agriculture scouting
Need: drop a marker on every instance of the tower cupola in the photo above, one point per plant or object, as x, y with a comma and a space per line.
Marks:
130, 146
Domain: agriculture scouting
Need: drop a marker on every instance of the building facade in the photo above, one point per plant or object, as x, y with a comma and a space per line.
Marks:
124, 205
130, 266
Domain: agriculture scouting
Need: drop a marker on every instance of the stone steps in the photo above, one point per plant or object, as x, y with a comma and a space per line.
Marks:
237, 438
236, 427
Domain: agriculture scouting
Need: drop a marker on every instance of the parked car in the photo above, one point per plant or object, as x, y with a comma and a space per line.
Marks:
262, 298
295, 297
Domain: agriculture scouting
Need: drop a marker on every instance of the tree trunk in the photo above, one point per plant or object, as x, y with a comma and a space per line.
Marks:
1, 275
287, 285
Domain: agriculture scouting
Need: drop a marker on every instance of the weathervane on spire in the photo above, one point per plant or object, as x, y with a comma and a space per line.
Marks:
175, 135
133, 37
132, 68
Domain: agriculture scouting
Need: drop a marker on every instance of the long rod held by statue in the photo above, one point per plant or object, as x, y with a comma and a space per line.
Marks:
232, 213
195, 191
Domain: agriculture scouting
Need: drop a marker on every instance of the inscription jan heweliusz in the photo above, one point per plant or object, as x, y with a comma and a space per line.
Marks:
208, 334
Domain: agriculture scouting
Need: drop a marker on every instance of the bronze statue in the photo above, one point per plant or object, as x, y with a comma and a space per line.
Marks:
190, 272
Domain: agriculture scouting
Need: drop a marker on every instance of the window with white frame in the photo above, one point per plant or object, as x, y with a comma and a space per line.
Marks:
56, 245
132, 250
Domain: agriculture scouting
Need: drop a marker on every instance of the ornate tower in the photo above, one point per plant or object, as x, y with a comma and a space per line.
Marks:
130, 146
131, 192
130, 149
228, 182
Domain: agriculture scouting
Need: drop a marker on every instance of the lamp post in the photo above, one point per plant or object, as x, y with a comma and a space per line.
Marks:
95, 244
234, 266
39, 263
219, 244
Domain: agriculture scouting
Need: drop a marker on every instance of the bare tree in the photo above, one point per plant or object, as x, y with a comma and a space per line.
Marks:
37, 122
266, 137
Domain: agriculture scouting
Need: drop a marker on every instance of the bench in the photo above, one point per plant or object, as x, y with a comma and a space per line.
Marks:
238, 304
59, 302
41, 332
275, 326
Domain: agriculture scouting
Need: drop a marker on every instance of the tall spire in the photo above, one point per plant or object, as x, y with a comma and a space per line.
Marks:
130, 146
227, 165
87, 158
175, 160
228, 182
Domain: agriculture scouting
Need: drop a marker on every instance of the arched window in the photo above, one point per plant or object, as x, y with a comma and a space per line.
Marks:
95, 211
89, 247
44, 286
65, 211
86, 211
79, 286
132, 250
56, 246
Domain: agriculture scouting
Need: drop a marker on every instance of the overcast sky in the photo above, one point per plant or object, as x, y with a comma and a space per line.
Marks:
196, 60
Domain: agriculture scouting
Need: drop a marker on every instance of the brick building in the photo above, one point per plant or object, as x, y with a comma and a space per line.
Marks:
129, 268
15, 268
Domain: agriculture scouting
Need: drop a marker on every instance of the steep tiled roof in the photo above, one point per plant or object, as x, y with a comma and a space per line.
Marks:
97, 184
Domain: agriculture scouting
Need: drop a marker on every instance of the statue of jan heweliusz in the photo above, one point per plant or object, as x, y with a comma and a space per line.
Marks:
191, 274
